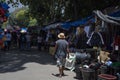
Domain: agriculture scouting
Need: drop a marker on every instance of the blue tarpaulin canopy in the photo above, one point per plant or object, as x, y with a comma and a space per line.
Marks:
115, 14
52, 26
66, 25
84, 21
81, 22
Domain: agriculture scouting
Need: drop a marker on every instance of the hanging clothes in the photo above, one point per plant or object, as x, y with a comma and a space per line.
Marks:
2, 12
117, 42
87, 29
95, 39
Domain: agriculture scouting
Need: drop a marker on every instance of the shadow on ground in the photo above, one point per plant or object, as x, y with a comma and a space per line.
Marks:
57, 75
14, 60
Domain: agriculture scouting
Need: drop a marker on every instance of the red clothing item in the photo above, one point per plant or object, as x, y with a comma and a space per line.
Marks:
117, 40
2, 12
4, 19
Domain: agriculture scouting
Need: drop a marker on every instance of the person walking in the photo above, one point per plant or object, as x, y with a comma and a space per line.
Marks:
22, 41
61, 52
8, 39
4, 39
28, 41
39, 40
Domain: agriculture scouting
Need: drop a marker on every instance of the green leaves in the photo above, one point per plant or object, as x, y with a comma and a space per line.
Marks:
20, 17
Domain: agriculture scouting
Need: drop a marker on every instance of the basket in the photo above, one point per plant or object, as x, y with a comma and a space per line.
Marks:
88, 74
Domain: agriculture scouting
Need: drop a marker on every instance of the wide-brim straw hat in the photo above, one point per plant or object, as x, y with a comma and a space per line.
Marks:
61, 35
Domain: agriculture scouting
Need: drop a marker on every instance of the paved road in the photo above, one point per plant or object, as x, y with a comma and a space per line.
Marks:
30, 65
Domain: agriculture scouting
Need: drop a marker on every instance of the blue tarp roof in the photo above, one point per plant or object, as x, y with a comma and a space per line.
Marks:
81, 22
52, 26
68, 25
115, 14
86, 20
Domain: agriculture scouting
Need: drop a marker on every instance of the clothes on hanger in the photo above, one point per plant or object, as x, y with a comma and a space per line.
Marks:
116, 42
95, 39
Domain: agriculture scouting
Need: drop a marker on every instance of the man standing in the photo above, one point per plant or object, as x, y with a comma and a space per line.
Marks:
8, 39
39, 40
28, 41
61, 50
1, 41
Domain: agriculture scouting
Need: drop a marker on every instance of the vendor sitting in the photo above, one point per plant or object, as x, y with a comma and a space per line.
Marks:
103, 57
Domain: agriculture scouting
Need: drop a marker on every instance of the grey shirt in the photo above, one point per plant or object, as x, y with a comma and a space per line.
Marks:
61, 47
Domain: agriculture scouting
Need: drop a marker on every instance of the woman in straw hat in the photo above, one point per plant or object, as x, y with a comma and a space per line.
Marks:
62, 51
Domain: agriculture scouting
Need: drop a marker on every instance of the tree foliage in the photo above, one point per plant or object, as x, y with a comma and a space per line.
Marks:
46, 11
21, 17
32, 22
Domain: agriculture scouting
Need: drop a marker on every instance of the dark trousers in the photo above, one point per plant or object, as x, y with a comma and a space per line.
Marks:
39, 46
8, 45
